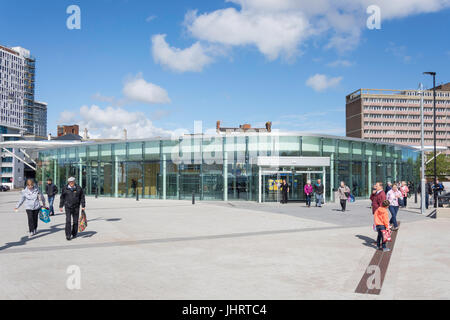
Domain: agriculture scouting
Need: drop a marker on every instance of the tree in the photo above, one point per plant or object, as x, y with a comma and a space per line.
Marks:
442, 166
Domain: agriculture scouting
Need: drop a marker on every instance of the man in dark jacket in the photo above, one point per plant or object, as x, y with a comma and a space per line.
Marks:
377, 196
318, 190
72, 196
51, 190
284, 191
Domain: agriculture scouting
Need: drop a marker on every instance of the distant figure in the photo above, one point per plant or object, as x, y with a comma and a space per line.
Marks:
51, 190
31, 196
284, 191
72, 196
344, 193
388, 187
377, 197
318, 190
308, 189
133, 186
404, 190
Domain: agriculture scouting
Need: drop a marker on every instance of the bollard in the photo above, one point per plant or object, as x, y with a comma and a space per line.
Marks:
193, 197
137, 195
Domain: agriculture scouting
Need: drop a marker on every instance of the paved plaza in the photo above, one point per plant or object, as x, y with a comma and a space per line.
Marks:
154, 249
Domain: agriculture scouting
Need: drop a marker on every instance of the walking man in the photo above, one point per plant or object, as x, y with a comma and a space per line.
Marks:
51, 190
318, 190
72, 196
377, 197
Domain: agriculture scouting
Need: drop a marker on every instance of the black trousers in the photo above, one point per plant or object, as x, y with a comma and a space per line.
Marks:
285, 197
72, 226
32, 219
343, 204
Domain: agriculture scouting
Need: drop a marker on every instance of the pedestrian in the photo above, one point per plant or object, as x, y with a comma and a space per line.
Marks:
381, 221
404, 190
344, 194
377, 197
72, 196
429, 192
308, 189
393, 196
51, 190
318, 190
388, 187
284, 191
30, 196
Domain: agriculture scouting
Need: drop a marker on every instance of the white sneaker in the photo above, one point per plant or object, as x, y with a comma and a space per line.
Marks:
30, 234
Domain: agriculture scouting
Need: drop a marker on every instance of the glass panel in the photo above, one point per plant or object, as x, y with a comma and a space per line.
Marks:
310, 146
151, 150
105, 152
134, 178
135, 151
151, 172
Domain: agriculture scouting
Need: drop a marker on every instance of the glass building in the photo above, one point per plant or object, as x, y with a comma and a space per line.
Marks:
239, 166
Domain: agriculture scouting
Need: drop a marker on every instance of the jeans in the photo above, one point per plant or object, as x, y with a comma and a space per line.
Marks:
427, 200
50, 204
319, 199
380, 243
394, 211
284, 197
72, 227
343, 204
308, 200
32, 219
404, 201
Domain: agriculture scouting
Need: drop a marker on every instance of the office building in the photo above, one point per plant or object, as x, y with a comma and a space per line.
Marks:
394, 116
20, 114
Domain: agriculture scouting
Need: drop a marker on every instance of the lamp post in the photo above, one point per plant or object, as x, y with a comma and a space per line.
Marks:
433, 74
422, 152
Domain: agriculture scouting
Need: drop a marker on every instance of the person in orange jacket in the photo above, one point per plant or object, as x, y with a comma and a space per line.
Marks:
381, 221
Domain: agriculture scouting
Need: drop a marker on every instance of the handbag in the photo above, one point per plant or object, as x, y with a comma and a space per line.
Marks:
351, 198
44, 215
386, 235
82, 224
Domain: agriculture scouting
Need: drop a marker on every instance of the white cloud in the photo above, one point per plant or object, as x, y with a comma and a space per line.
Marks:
321, 82
279, 28
194, 58
340, 63
66, 117
274, 34
399, 52
137, 89
110, 122
150, 18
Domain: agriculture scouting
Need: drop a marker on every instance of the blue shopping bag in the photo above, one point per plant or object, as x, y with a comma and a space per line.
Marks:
351, 198
44, 215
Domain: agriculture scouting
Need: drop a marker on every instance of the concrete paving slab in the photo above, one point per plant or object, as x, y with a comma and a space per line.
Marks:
154, 249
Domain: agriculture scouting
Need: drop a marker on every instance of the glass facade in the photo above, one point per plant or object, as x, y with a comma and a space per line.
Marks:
223, 167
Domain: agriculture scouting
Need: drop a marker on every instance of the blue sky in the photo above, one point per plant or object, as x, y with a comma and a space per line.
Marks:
155, 67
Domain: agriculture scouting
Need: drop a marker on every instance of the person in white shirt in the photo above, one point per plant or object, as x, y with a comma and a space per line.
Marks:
393, 195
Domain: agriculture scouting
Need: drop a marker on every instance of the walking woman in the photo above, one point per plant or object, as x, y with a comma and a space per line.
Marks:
404, 190
393, 195
30, 196
344, 193
308, 189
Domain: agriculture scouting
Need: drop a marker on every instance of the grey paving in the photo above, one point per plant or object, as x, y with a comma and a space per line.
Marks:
155, 249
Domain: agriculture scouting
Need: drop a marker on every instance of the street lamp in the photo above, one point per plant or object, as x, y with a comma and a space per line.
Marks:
433, 74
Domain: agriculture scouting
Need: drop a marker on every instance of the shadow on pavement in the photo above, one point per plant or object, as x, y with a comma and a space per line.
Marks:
368, 242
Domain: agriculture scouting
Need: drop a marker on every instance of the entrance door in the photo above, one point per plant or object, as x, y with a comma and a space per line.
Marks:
270, 188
